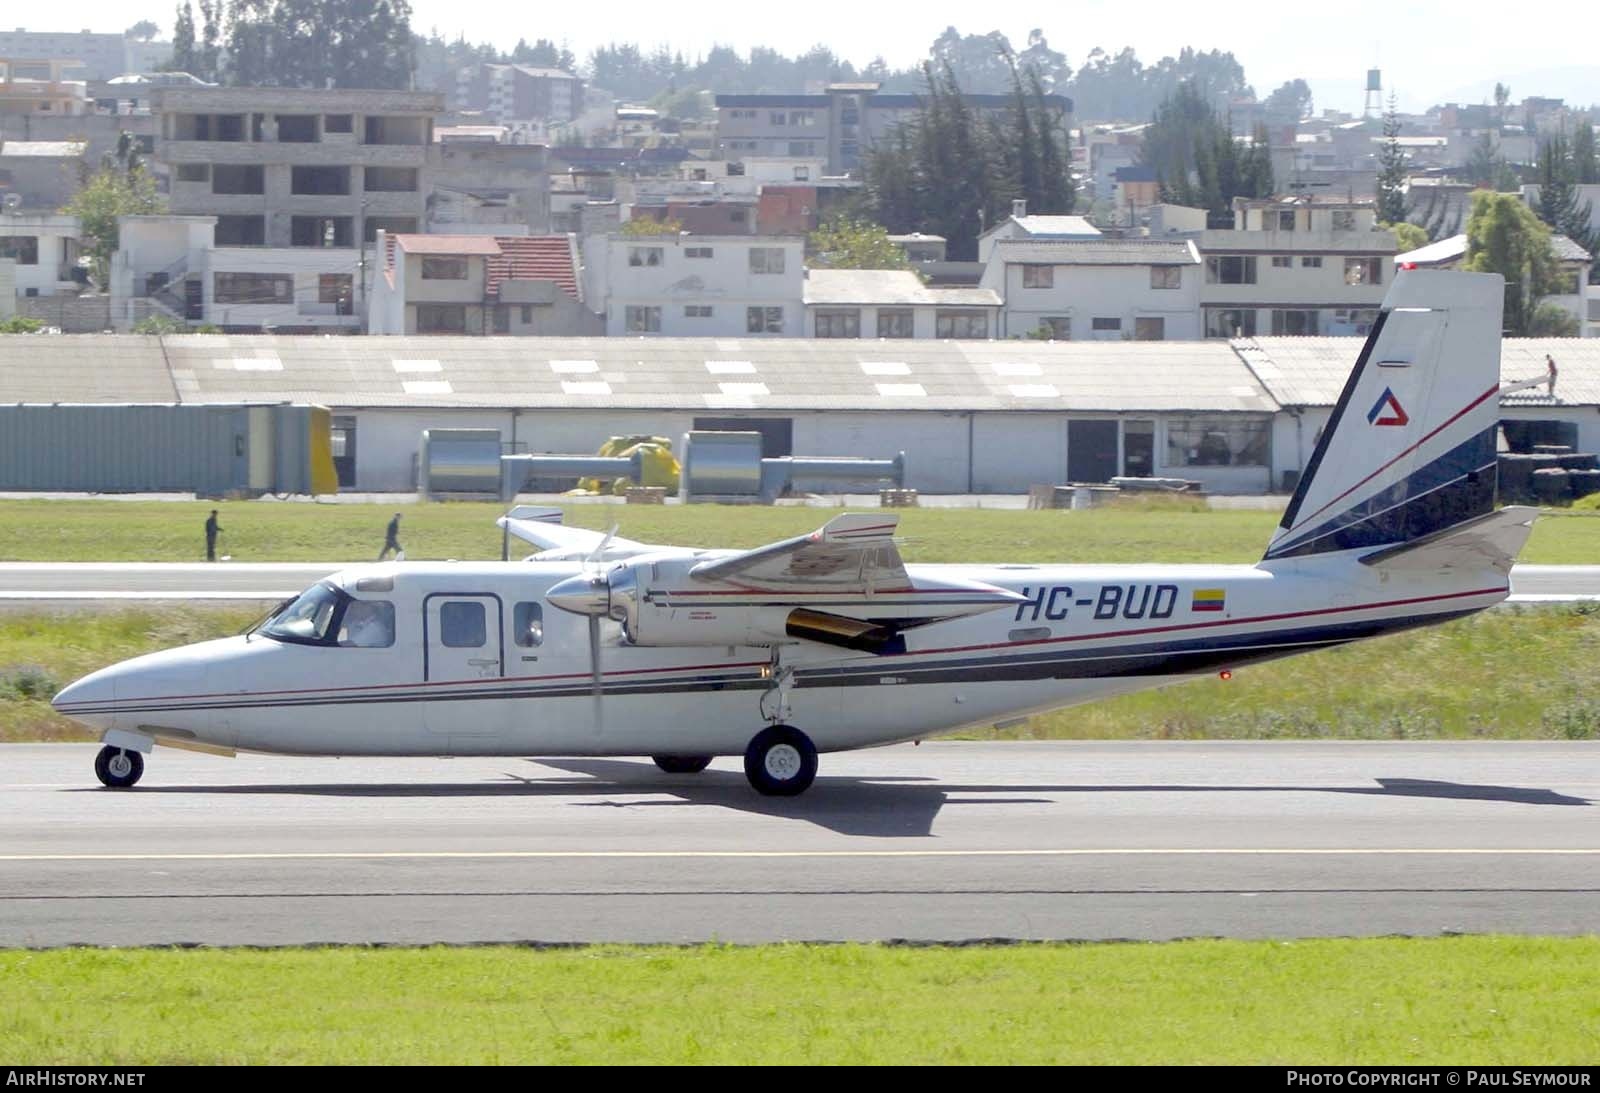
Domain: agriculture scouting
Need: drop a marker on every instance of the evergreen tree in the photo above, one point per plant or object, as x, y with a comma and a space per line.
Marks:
1057, 193
1585, 165
1560, 207
210, 51
1391, 170
184, 57
1199, 163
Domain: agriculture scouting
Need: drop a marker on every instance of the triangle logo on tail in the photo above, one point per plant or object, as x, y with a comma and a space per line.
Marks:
1387, 411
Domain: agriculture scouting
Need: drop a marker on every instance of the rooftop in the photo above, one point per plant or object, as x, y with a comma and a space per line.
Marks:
1099, 252
887, 287
44, 149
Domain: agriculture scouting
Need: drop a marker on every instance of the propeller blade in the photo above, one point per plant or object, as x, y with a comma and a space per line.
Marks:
594, 667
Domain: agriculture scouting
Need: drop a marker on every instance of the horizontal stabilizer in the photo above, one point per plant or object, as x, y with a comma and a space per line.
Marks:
1488, 541
542, 527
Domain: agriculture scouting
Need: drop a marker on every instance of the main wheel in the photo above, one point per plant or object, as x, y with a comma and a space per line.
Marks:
682, 764
118, 768
781, 761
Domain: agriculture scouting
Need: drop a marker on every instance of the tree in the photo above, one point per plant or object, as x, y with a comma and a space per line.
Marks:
21, 324
184, 56
1505, 237
644, 225
1560, 206
1391, 169
845, 242
1487, 167
1198, 162
142, 31
1585, 164
108, 194
1553, 321
1408, 237
1290, 103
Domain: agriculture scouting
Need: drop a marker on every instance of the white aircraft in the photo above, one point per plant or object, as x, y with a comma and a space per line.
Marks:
826, 642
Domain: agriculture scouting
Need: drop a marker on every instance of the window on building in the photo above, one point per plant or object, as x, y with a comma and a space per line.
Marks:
960, 324
838, 324
766, 259
1231, 269
241, 231
1105, 328
444, 268
23, 248
1363, 271
849, 114
1166, 276
1294, 322
297, 128
336, 289
738, 216
1344, 220
527, 622
1281, 261
527, 314
1227, 322
390, 180
895, 323
697, 311
441, 319
697, 252
802, 174
338, 123
1218, 441
322, 231
803, 118
779, 117
1284, 220
252, 288
194, 172
1353, 320
394, 225
462, 625
1058, 328
1038, 276
227, 178
764, 320
1568, 284
1309, 261
645, 256
642, 320
502, 319
1149, 329
319, 181
802, 148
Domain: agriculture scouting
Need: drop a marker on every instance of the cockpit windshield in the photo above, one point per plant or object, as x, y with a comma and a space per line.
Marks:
309, 619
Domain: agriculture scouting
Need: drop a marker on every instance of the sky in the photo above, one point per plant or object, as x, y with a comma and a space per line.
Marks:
1430, 51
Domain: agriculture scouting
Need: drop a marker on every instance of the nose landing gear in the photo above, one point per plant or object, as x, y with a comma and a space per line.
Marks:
118, 768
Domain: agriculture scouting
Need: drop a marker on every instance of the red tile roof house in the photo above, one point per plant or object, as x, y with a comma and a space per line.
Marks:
479, 285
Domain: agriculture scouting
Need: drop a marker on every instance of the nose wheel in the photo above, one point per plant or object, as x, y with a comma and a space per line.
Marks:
118, 768
781, 761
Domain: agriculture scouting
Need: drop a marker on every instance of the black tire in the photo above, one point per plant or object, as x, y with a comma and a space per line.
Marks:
682, 764
781, 762
118, 768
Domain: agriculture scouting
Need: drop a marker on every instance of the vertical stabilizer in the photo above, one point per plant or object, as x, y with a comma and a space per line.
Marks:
1410, 449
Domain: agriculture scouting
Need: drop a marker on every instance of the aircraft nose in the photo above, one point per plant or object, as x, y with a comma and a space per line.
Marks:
90, 700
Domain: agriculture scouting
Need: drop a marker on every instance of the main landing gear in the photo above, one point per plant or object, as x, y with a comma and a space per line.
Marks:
781, 761
118, 768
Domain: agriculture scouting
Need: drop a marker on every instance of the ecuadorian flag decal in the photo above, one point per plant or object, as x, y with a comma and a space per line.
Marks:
1209, 599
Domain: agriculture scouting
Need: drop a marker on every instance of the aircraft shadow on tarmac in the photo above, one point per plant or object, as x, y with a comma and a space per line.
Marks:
878, 807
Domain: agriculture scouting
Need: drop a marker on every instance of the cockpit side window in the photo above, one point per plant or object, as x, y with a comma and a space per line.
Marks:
528, 619
311, 619
367, 624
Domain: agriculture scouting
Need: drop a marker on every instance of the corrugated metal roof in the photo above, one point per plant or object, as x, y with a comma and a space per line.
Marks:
83, 368
1312, 371
1057, 226
639, 373
1568, 251
1098, 252
55, 149
887, 287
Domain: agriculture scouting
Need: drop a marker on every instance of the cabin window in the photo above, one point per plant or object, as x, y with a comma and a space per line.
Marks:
528, 619
461, 625
367, 624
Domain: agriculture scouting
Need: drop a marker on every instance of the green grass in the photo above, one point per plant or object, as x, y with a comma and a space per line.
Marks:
266, 531
1479, 1000
1520, 672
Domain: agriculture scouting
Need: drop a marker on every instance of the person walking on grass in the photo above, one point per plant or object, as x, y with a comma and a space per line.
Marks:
391, 541
211, 536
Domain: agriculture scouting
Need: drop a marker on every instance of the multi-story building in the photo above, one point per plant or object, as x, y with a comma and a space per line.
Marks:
1295, 266
40, 175
40, 87
510, 92
477, 285
45, 248
837, 126
722, 286
488, 186
1096, 289
95, 56
1019, 225
885, 303
288, 167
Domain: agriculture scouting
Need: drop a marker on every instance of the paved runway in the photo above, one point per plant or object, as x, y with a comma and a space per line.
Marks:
22, 583
945, 841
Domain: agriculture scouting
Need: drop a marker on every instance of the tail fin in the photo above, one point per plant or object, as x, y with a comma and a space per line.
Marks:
1410, 449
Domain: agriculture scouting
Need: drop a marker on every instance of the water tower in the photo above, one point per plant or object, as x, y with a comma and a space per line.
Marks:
1374, 105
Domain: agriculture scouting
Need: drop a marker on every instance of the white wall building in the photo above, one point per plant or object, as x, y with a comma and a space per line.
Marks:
1296, 267
45, 249
1101, 290
704, 285
893, 304
1019, 225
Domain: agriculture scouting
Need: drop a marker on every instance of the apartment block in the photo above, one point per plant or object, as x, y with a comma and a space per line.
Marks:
886, 303
1096, 289
40, 87
45, 250
287, 167
509, 92
93, 56
722, 286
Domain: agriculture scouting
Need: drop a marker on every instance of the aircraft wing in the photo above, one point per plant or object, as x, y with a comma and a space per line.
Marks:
556, 542
855, 552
